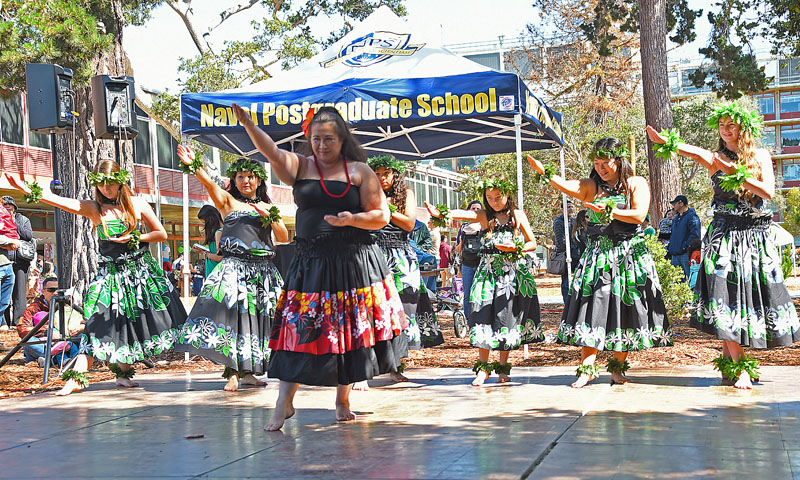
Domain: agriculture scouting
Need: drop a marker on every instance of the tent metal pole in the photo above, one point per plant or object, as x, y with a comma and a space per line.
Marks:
566, 222
520, 205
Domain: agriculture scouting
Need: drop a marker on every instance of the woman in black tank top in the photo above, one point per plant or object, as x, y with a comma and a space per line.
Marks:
339, 307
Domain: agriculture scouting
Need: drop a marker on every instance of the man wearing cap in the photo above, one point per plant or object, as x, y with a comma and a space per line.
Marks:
21, 266
685, 228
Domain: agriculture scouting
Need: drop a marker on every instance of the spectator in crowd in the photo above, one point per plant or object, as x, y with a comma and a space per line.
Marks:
468, 245
695, 250
444, 257
21, 266
647, 228
665, 226
9, 241
212, 227
436, 238
32, 289
559, 236
580, 237
32, 315
685, 228
421, 237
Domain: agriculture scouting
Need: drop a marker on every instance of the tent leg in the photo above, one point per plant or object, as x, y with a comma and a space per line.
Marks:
566, 224
518, 132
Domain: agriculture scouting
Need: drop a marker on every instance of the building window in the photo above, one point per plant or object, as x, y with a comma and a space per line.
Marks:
11, 120
768, 138
491, 60
790, 136
39, 140
142, 143
789, 70
791, 170
790, 101
167, 149
765, 103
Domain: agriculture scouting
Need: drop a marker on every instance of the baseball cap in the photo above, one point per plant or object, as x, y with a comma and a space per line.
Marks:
9, 200
682, 199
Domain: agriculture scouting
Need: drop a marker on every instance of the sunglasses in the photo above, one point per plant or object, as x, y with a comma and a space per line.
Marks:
50, 289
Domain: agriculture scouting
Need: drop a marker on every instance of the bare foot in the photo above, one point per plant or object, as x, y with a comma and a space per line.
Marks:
343, 413
397, 377
361, 386
618, 379
250, 379
503, 378
69, 387
126, 383
744, 382
232, 385
582, 380
480, 377
279, 415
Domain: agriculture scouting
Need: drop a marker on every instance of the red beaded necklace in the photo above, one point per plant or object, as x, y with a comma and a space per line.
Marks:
321, 178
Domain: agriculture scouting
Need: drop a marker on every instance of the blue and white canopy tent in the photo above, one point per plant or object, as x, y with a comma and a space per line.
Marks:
402, 93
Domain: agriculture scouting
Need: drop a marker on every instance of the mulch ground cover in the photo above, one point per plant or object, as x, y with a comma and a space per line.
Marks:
691, 348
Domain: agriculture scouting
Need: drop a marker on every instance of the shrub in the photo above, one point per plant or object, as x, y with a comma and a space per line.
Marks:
786, 262
677, 294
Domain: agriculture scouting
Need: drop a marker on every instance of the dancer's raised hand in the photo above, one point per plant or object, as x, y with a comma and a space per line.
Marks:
536, 165
186, 154
654, 136
433, 210
242, 116
18, 184
722, 164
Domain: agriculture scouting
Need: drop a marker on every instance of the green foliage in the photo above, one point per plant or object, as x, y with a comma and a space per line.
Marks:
786, 261
792, 213
674, 288
734, 181
670, 147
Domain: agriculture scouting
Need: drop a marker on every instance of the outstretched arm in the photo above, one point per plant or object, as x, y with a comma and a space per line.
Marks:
698, 154
284, 164
584, 189
221, 198
458, 214
84, 208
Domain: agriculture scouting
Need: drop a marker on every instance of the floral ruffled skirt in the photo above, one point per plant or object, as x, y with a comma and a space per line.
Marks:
615, 301
740, 295
132, 311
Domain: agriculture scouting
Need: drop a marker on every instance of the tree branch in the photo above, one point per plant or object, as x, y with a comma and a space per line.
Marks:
173, 4
226, 14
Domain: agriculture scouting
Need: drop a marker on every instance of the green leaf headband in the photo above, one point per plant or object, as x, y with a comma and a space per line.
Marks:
619, 152
114, 178
246, 165
748, 121
505, 187
388, 162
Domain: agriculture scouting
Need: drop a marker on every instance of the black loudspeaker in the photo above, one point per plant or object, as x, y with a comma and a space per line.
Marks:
50, 101
112, 101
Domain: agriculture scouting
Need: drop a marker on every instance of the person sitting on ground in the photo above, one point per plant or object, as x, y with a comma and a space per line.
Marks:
29, 319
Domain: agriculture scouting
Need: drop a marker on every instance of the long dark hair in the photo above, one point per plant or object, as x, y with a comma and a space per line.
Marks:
491, 214
398, 192
351, 149
124, 196
625, 169
212, 221
261, 191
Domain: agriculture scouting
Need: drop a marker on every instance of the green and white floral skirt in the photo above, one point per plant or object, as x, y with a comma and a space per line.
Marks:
505, 307
132, 311
615, 301
231, 320
740, 295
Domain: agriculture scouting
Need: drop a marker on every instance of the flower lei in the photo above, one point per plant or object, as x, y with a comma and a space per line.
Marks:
487, 367
119, 373
246, 165
616, 366
191, 168
619, 152
670, 147
274, 216
734, 181
549, 171
392, 208
36, 192
388, 162
590, 370
505, 187
80, 377
114, 178
732, 369
443, 221
748, 121
609, 203
133, 243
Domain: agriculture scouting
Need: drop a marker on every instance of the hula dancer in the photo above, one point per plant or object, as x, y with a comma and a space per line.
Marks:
615, 301
131, 310
231, 320
339, 308
739, 295
504, 305
423, 327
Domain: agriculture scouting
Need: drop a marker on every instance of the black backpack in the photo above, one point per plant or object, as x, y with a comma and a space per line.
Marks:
472, 244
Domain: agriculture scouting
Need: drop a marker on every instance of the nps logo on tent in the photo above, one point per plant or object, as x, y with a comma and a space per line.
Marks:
373, 48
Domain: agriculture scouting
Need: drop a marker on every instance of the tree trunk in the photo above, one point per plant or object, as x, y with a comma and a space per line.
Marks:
75, 161
664, 176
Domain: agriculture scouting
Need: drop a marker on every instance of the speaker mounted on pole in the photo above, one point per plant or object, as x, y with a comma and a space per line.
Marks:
50, 98
112, 102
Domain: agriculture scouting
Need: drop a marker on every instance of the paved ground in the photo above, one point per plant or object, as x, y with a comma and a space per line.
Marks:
671, 424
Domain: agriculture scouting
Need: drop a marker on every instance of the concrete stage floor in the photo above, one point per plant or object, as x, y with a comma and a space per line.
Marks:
673, 423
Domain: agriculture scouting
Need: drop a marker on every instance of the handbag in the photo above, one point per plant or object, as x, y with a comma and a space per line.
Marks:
26, 251
557, 265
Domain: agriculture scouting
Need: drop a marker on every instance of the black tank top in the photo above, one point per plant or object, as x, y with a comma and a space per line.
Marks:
313, 204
